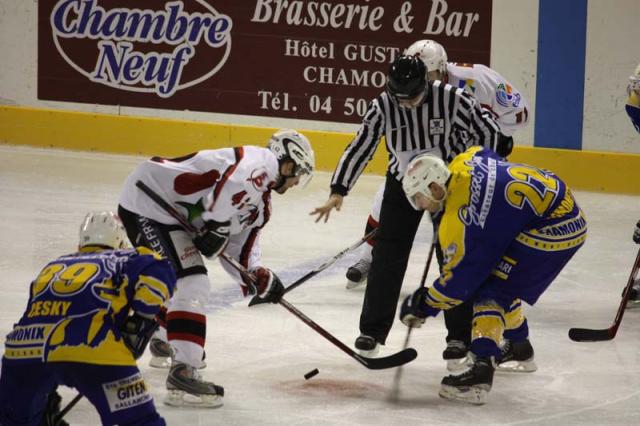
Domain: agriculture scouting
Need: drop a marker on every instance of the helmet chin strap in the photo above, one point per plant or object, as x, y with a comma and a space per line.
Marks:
280, 182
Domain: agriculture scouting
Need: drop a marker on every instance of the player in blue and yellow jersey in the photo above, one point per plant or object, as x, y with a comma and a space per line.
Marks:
633, 110
507, 231
633, 101
89, 316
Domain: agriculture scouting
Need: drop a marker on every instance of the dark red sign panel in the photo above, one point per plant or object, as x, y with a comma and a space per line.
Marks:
317, 60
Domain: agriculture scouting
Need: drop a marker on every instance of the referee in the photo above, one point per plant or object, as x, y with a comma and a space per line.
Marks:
415, 117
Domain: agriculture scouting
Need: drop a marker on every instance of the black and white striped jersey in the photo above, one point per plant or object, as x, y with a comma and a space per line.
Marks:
446, 123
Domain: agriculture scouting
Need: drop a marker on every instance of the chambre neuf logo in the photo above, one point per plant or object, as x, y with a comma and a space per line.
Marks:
169, 46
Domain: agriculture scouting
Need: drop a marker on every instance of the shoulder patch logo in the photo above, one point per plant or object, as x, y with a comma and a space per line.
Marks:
506, 97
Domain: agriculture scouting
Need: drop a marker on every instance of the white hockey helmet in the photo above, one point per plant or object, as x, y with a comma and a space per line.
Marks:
102, 228
288, 144
634, 81
422, 171
432, 54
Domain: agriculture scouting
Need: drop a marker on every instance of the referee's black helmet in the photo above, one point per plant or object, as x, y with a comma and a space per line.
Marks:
406, 77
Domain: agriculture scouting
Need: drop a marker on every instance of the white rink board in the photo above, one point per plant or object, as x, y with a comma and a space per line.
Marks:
261, 354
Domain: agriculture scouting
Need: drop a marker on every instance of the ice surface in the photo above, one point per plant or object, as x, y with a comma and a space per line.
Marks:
261, 354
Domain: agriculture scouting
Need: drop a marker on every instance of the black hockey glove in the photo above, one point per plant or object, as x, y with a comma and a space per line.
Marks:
636, 233
414, 309
268, 286
213, 239
504, 145
136, 333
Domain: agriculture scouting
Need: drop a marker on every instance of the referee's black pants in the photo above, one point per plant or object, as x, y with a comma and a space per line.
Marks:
396, 231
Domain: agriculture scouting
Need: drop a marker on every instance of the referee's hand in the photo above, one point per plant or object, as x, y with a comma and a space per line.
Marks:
334, 201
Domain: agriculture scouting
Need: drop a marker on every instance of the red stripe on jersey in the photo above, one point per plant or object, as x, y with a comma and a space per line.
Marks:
161, 317
266, 200
239, 153
371, 225
198, 340
488, 108
190, 183
184, 315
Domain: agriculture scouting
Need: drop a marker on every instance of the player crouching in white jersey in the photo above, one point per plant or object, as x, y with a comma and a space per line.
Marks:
226, 192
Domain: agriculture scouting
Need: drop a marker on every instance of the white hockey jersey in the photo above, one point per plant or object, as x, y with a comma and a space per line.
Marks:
224, 184
510, 109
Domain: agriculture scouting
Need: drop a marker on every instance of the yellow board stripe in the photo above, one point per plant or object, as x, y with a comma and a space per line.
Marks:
155, 136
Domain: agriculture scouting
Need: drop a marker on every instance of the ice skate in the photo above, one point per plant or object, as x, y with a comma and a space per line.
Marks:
357, 273
472, 386
517, 357
634, 297
367, 346
161, 353
457, 356
186, 387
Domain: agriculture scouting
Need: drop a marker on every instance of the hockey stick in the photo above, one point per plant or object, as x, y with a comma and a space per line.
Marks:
598, 335
395, 389
256, 300
395, 360
67, 408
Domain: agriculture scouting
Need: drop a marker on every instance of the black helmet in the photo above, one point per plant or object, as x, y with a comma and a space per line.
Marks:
406, 78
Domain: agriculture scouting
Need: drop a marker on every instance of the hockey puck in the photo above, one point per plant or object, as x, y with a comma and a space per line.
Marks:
311, 373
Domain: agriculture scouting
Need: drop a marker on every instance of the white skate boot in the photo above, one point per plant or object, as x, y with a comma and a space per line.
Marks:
187, 388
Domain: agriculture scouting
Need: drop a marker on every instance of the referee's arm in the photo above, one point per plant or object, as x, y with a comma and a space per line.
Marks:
360, 151
479, 123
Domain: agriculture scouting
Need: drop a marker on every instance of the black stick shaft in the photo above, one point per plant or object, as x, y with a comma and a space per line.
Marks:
330, 262
395, 389
598, 335
67, 408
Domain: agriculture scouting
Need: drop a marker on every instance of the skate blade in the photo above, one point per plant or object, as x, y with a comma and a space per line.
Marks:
370, 354
178, 398
517, 367
459, 364
160, 362
354, 284
165, 363
631, 304
476, 395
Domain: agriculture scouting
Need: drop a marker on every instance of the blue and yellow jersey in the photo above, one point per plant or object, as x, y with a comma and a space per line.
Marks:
78, 302
633, 109
491, 205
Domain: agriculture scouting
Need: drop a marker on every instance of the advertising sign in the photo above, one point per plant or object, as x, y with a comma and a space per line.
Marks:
318, 60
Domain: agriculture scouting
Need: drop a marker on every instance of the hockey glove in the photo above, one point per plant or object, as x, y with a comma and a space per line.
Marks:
213, 239
636, 233
414, 309
504, 146
268, 286
136, 333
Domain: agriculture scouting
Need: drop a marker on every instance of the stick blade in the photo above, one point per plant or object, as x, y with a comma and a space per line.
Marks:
255, 300
396, 360
590, 335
